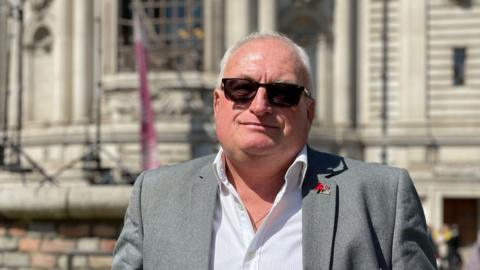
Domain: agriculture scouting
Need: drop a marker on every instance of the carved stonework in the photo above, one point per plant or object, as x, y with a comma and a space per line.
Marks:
462, 3
303, 3
120, 107
310, 19
40, 5
457, 171
42, 39
180, 102
123, 106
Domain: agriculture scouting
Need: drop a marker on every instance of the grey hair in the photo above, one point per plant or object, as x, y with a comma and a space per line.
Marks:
302, 55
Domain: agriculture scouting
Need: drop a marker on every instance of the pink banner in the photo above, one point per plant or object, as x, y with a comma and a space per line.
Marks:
148, 136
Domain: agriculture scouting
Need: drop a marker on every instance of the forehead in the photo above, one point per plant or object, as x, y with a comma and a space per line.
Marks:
268, 59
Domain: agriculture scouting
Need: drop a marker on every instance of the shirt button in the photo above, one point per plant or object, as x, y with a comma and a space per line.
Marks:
240, 207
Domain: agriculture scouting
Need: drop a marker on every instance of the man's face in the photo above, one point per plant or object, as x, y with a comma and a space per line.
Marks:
259, 128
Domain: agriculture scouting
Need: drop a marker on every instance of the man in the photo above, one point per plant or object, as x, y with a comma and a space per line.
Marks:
267, 200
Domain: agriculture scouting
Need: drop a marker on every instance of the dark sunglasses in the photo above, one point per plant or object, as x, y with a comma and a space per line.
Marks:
242, 91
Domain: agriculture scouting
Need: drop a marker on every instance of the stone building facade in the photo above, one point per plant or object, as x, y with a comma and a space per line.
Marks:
77, 68
433, 116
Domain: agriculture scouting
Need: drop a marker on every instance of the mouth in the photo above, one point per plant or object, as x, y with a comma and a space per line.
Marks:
257, 125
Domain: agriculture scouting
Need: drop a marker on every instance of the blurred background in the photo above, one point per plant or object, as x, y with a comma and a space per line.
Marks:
396, 82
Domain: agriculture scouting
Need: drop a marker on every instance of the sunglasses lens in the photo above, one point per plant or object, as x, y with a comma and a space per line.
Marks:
239, 90
284, 94
242, 91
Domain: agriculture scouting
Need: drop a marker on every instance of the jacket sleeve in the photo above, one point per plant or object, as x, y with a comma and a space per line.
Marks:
128, 249
411, 248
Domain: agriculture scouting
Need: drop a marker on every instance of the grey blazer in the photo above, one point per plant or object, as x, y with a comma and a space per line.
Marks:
371, 218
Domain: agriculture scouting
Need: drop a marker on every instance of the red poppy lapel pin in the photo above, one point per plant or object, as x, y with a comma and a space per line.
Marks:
322, 188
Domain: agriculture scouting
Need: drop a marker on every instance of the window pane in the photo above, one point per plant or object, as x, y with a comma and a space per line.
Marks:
175, 31
459, 55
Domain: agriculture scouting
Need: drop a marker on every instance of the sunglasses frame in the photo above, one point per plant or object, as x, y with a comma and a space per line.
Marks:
271, 92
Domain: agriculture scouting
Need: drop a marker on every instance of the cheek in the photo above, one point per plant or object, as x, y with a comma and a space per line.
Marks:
221, 128
224, 121
295, 123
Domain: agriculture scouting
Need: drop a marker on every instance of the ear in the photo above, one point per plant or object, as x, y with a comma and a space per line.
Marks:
311, 110
216, 100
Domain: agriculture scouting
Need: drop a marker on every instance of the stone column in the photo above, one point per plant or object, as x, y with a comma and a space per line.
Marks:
437, 209
364, 62
238, 17
213, 38
342, 61
413, 61
109, 35
82, 63
267, 15
324, 81
13, 84
61, 65
3, 62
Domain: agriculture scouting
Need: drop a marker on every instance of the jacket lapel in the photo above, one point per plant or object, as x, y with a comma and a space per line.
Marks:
203, 197
320, 209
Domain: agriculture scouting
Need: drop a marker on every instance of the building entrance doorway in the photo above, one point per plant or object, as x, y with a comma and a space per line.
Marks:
462, 212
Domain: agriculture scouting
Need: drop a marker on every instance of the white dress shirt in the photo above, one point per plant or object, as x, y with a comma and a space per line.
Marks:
277, 244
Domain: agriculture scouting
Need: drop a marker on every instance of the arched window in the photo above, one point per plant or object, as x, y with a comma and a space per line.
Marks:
42, 39
310, 26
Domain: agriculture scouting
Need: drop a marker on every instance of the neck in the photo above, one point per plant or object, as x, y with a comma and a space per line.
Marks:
257, 181
259, 176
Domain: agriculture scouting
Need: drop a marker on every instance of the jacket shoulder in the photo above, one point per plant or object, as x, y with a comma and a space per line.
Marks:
355, 171
176, 173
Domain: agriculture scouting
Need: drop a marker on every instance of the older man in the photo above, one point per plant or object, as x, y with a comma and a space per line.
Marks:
266, 200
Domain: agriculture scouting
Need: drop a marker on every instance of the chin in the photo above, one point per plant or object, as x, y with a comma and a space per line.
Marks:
259, 148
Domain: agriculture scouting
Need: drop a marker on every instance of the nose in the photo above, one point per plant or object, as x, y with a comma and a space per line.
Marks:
260, 105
